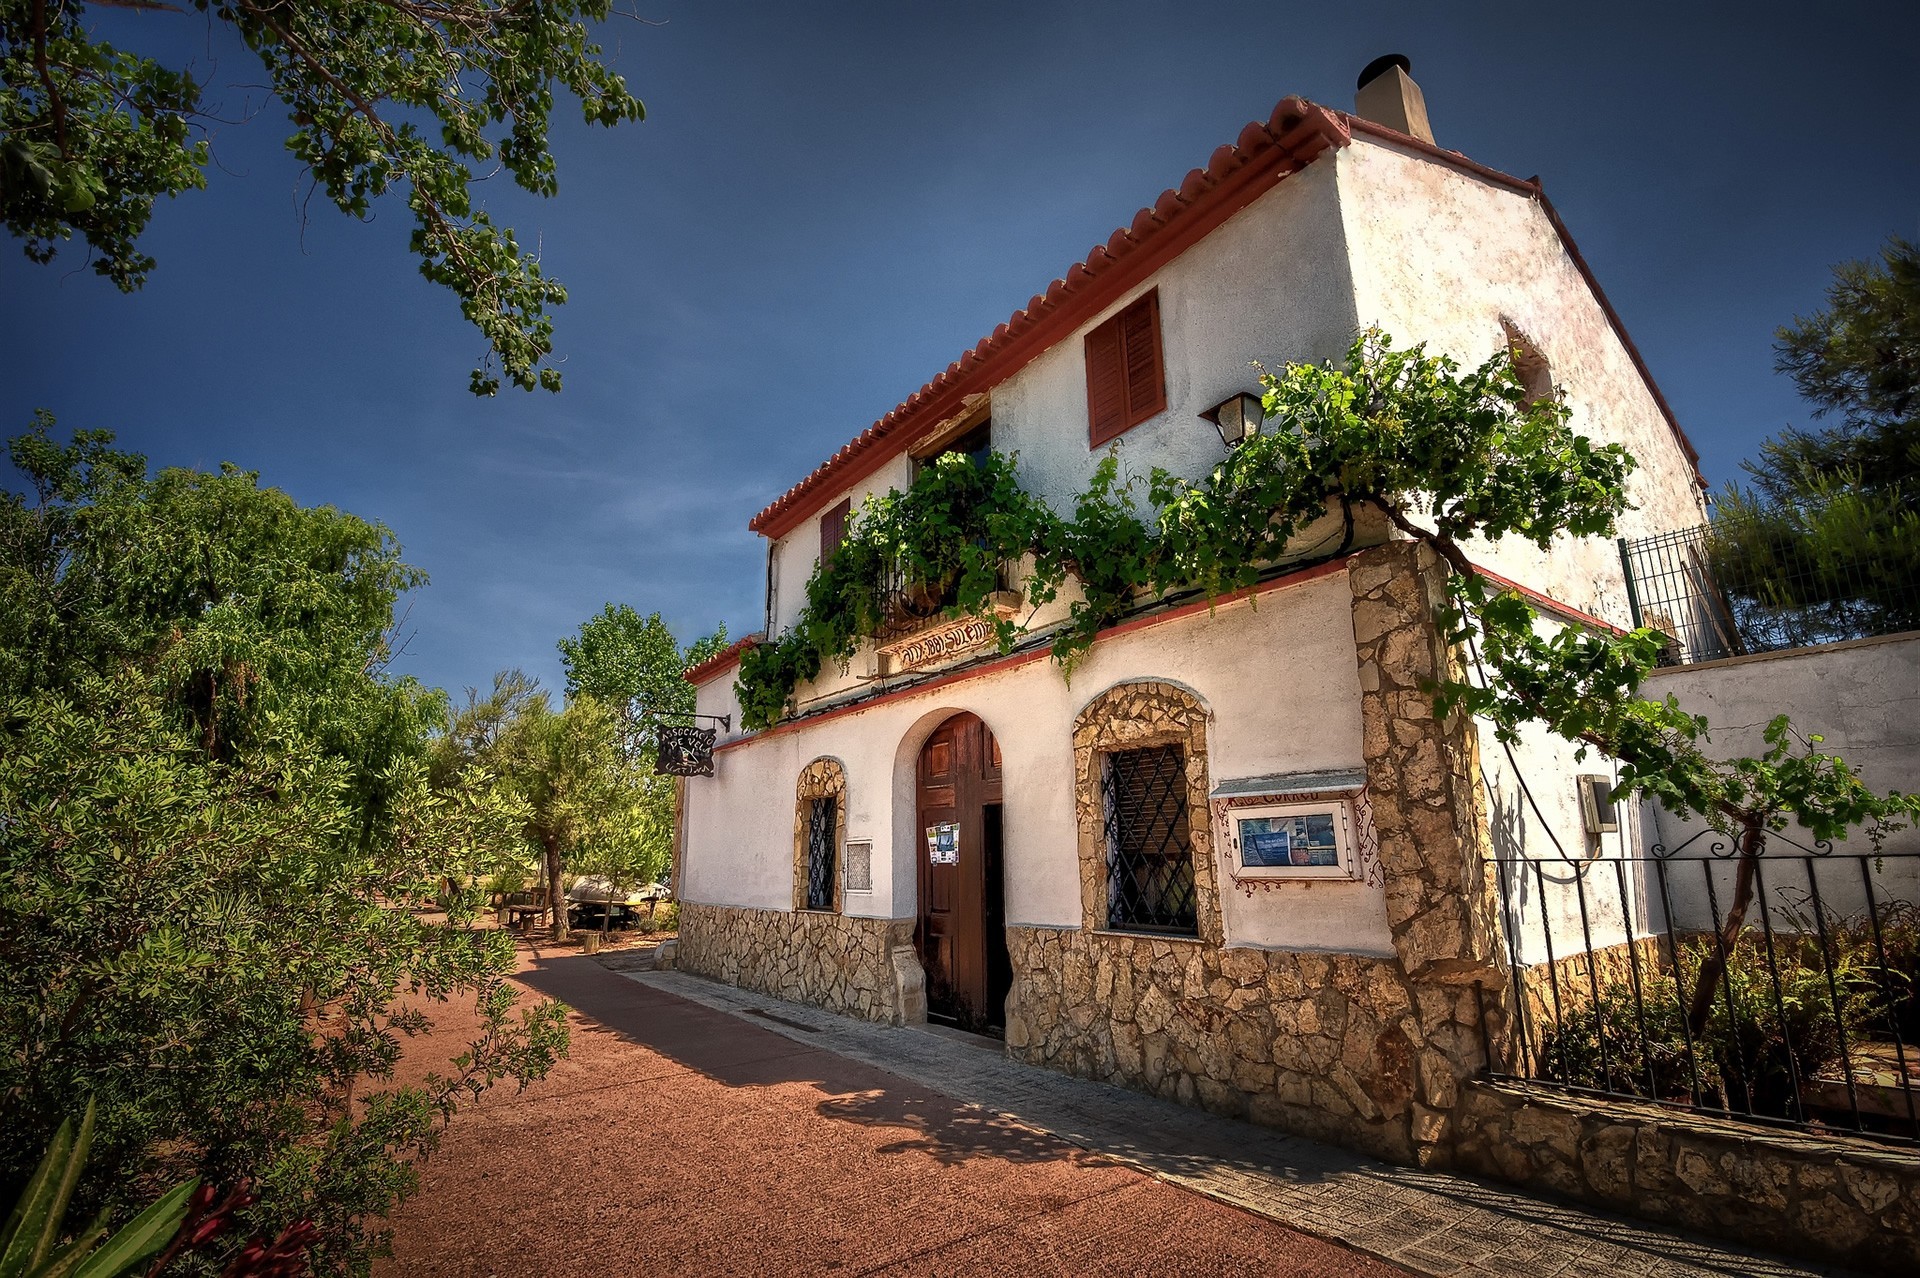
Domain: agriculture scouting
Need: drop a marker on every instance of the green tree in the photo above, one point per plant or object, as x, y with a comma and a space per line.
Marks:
384, 96
1825, 543
223, 870
635, 664
586, 802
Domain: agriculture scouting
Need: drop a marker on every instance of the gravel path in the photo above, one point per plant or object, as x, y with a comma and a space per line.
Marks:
682, 1138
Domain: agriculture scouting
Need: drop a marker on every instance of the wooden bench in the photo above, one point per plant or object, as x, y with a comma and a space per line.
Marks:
523, 907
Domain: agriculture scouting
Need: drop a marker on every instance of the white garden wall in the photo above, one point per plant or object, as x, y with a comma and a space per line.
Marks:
1863, 698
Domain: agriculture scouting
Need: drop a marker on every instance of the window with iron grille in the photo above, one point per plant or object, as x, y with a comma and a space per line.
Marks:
1149, 848
822, 823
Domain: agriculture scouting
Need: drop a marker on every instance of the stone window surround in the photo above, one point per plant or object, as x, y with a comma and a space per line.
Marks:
825, 777
1126, 716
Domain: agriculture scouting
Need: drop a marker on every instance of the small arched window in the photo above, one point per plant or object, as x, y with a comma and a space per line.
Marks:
819, 831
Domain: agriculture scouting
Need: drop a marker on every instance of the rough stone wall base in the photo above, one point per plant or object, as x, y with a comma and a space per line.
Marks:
1333, 1046
1835, 1200
836, 961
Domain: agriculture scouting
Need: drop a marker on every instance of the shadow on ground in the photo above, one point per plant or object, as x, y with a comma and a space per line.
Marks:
737, 1054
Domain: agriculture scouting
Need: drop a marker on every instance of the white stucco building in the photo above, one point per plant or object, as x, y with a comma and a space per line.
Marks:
1232, 860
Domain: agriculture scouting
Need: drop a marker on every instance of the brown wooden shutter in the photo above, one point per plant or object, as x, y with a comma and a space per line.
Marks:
1140, 338
1126, 372
833, 529
1106, 384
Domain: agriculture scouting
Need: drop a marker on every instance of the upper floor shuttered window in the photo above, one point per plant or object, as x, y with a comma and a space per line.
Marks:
1126, 371
833, 529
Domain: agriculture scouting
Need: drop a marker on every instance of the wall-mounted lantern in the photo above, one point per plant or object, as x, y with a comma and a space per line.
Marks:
1237, 418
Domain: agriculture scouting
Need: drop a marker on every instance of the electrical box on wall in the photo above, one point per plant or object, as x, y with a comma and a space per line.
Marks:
1598, 812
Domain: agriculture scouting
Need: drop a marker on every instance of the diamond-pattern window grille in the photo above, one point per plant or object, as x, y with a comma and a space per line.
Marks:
822, 825
1149, 848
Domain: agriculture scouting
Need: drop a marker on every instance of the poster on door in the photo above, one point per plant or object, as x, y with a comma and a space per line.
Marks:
943, 843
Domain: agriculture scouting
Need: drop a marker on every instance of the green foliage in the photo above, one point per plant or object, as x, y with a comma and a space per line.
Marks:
665, 918
1858, 358
1753, 1046
1826, 543
1584, 686
382, 97
936, 547
587, 805
35, 1243
635, 665
1897, 943
222, 863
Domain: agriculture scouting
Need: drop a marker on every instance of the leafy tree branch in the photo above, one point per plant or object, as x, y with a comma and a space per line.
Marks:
382, 94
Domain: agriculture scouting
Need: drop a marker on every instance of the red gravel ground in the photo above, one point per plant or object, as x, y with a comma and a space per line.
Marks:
681, 1140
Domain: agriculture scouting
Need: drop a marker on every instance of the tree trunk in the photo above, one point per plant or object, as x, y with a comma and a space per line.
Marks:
1714, 967
556, 901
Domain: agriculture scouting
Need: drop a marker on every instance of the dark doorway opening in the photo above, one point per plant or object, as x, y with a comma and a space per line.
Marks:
999, 961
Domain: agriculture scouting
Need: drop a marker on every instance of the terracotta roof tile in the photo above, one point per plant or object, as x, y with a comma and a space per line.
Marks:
721, 661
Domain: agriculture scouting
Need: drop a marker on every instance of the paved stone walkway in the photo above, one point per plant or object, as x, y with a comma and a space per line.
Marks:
1431, 1223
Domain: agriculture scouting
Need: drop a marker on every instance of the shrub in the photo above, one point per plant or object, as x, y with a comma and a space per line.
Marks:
1772, 1022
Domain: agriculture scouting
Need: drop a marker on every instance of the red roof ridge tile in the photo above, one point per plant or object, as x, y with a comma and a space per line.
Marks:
721, 661
1264, 153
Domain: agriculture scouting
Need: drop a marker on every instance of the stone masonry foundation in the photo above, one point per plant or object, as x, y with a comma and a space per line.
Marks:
836, 961
1837, 1199
1331, 1046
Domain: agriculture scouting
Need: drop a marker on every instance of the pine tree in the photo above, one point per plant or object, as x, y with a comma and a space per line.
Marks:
1825, 543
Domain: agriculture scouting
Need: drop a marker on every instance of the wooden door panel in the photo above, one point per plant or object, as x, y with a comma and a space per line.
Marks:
959, 773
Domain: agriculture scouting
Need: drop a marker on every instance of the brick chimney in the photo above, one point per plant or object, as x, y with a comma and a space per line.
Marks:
1387, 95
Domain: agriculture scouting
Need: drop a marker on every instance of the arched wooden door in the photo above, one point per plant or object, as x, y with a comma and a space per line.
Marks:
962, 933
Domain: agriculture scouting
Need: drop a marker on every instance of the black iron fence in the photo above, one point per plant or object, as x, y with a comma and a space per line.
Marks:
1740, 586
1780, 988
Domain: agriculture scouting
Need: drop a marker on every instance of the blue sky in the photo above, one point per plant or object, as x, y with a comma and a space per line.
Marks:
828, 203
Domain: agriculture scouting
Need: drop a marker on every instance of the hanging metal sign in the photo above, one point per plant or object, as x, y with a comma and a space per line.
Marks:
684, 751
943, 843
